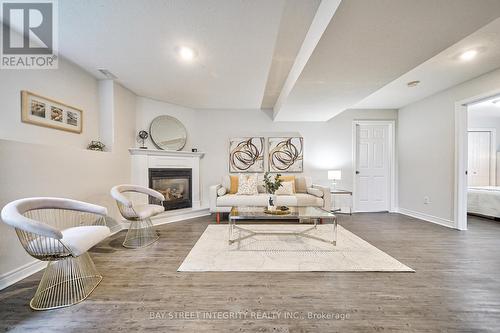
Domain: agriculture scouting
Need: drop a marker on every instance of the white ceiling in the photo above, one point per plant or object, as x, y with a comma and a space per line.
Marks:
295, 21
136, 41
442, 71
371, 43
247, 50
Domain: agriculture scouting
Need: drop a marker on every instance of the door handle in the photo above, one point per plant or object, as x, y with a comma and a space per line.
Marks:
357, 172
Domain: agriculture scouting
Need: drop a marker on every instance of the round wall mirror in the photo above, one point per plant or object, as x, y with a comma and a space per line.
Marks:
168, 133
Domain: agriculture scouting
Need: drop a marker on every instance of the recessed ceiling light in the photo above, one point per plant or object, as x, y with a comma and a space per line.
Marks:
412, 84
468, 55
186, 53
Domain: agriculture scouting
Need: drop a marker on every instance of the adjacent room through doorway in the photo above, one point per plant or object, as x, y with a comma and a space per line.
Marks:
483, 147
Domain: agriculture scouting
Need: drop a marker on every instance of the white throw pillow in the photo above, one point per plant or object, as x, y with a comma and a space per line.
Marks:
226, 182
221, 191
261, 187
247, 184
286, 188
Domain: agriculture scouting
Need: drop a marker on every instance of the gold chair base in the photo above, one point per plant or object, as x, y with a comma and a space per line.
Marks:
140, 234
66, 282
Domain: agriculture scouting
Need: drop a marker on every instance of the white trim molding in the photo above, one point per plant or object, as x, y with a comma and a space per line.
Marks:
461, 143
427, 217
393, 195
144, 159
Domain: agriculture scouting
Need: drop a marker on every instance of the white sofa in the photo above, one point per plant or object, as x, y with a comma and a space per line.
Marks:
306, 194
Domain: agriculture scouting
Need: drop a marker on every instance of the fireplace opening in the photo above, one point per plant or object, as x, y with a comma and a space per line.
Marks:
174, 184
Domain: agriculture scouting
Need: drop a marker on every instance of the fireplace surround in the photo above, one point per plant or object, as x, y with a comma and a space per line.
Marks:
142, 160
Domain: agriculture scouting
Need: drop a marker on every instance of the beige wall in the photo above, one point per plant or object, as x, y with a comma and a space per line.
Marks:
68, 84
426, 147
328, 145
38, 161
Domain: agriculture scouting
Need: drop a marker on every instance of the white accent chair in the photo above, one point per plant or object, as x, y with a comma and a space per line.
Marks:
59, 231
140, 232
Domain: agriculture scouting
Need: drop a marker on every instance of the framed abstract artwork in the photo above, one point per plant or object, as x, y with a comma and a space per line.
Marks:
43, 111
246, 154
286, 154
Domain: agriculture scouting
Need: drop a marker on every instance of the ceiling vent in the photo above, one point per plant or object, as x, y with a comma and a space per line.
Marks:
412, 84
107, 74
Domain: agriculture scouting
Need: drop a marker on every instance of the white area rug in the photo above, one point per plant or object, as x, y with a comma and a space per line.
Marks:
263, 253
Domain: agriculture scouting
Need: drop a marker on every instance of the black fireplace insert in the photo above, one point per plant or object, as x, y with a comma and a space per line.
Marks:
174, 184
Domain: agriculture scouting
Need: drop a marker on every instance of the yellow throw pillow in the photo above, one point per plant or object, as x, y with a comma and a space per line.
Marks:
289, 179
234, 184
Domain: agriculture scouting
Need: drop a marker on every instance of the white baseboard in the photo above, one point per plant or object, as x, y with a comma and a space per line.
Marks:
20, 273
427, 217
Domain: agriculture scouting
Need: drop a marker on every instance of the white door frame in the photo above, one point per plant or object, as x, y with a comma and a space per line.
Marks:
461, 143
392, 160
493, 150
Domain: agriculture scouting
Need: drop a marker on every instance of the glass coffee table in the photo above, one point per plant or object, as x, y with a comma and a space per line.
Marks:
316, 214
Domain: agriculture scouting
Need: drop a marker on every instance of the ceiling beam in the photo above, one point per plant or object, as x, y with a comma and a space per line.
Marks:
324, 14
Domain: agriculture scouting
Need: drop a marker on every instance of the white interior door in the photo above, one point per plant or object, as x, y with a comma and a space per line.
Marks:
479, 159
372, 167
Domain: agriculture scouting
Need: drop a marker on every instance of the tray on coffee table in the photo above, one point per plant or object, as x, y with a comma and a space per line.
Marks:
316, 214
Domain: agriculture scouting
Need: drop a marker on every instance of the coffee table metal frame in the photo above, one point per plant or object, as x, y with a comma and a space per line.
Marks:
299, 213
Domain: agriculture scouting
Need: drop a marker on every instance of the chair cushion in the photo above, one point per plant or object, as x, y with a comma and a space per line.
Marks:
145, 211
80, 239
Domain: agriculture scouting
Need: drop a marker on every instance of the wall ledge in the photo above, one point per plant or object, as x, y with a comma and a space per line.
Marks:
178, 215
158, 152
35, 266
21, 273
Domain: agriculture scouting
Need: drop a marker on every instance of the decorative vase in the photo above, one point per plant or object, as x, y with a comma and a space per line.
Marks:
271, 206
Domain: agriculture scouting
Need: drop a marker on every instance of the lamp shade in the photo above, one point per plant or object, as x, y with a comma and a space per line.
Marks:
334, 174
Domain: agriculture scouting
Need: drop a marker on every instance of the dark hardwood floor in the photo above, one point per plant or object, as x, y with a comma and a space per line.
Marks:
456, 287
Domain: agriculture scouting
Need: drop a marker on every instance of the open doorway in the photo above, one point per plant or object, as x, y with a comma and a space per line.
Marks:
477, 177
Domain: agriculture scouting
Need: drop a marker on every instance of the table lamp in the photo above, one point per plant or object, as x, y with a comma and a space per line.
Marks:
334, 175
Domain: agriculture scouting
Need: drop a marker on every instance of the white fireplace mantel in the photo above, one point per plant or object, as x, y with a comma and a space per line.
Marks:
158, 152
145, 159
